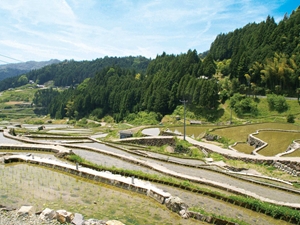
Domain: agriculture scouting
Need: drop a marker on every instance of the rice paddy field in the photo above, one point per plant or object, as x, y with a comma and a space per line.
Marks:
241, 132
23, 184
278, 140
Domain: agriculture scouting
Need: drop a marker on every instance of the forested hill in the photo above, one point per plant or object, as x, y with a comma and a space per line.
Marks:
120, 92
269, 53
256, 59
70, 72
15, 69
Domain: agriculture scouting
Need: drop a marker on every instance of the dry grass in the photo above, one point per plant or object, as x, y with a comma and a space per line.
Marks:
296, 153
14, 102
244, 147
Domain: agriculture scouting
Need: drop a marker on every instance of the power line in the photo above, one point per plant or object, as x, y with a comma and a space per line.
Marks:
10, 58
4, 61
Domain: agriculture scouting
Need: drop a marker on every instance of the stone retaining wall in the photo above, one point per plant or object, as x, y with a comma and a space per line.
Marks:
292, 164
151, 141
48, 148
256, 142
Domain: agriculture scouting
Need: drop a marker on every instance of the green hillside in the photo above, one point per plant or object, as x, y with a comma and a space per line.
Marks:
259, 59
263, 57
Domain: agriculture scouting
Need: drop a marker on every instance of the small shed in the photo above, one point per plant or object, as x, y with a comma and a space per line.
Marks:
195, 122
125, 134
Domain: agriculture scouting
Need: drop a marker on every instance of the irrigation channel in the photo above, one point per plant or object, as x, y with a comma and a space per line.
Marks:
88, 150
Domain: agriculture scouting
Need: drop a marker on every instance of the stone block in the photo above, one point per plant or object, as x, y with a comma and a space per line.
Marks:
64, 217
114, 222
48, 214
78, 219
26, 210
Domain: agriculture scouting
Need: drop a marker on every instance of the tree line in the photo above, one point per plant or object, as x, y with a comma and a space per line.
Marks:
119, 92
263, 57
257, 59
71, 72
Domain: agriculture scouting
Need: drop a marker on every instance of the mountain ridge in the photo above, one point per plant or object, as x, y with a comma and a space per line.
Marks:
15, 69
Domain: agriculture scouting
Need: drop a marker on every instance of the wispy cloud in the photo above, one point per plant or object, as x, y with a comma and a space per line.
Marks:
77, 29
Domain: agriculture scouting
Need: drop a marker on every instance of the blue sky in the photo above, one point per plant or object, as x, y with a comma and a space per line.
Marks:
88, 29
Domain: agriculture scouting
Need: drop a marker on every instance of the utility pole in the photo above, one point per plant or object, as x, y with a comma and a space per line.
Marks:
184, 101
230, 115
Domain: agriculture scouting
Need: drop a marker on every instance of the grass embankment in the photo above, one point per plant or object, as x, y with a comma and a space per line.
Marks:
278, 212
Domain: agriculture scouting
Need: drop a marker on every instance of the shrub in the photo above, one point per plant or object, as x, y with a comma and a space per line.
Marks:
290, 118
225, 141
150, 118
72, 122
182, 146
76, 158
242, 105
108, 119
277, 103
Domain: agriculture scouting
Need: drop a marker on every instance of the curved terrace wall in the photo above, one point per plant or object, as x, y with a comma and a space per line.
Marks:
181, 176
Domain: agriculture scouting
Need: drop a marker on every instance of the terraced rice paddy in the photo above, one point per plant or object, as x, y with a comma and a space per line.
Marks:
23, 184
278, 141
79, 195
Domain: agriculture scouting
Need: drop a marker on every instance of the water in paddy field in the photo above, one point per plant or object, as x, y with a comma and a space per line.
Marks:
4, 140
23, 184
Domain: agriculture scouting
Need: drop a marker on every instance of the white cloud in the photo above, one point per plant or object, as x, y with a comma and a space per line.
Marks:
37, 11
87, 29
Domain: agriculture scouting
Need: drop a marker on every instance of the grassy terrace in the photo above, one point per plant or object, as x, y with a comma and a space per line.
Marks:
278, 141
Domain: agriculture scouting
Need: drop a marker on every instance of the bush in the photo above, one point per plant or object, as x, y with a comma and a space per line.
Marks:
225, 141
242, 105
224, 95
72, 122
150, 118
108, 119
290, 118
277, 103
182, 146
